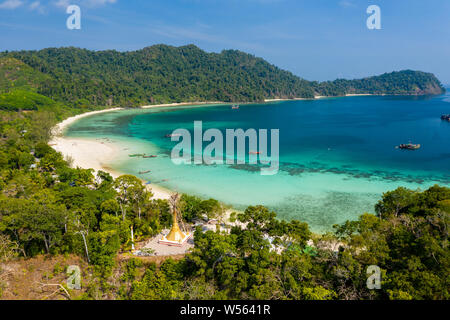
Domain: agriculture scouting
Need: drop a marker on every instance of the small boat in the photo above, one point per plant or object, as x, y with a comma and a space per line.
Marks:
409, 146
142, 172
136, 155
445, 117
235, 106
150, 156
254, 152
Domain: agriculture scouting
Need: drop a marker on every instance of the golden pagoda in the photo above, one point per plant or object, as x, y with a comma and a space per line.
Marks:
175, 237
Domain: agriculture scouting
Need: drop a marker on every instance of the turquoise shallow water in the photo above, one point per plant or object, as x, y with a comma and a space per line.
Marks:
337, 155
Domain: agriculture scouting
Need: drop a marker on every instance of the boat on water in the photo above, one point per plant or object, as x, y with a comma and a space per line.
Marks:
445, 117
254, 152
136, 155
409, 146
150, 156
142, 172
235, 106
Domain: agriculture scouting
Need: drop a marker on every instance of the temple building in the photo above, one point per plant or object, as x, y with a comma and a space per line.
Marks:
175, 237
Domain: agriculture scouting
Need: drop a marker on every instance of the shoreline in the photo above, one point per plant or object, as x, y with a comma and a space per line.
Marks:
105, 152
95, 154
324, 97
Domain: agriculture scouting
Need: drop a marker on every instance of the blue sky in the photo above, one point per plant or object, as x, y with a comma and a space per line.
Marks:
315, 39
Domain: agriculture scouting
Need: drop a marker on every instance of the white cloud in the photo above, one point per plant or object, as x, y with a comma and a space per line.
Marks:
36, 6
62, 3
346, 3
11, 4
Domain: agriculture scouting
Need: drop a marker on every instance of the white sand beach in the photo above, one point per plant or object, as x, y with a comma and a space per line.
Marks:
84, 153
179, 104
318, 97
362, 94
293, 99
59, 128
96, 154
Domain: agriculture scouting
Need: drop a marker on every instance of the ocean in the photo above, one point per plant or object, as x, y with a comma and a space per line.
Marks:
337, 155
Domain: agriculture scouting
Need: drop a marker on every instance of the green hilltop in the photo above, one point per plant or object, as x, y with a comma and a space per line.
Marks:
15, 74
161, 74
20, 99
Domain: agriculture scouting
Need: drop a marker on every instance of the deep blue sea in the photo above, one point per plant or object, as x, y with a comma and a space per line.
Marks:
337, 155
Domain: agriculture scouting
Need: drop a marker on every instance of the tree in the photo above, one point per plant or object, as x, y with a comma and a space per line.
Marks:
190, 207
8, 248
155, 285
193, 207
129, 189
77, 227
257, 218
139, 197
34, 221
394, 201
103, 247
408, 241
110, 206
104, 180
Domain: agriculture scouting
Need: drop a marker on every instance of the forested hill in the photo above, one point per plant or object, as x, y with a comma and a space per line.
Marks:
161, 73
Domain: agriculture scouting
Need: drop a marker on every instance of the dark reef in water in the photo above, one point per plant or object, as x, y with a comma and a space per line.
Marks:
323, 212
295, 169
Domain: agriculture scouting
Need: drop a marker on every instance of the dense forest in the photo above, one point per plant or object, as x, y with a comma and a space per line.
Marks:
161, 73
48, 208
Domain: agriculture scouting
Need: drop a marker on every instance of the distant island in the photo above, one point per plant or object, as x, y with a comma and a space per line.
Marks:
84, 79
